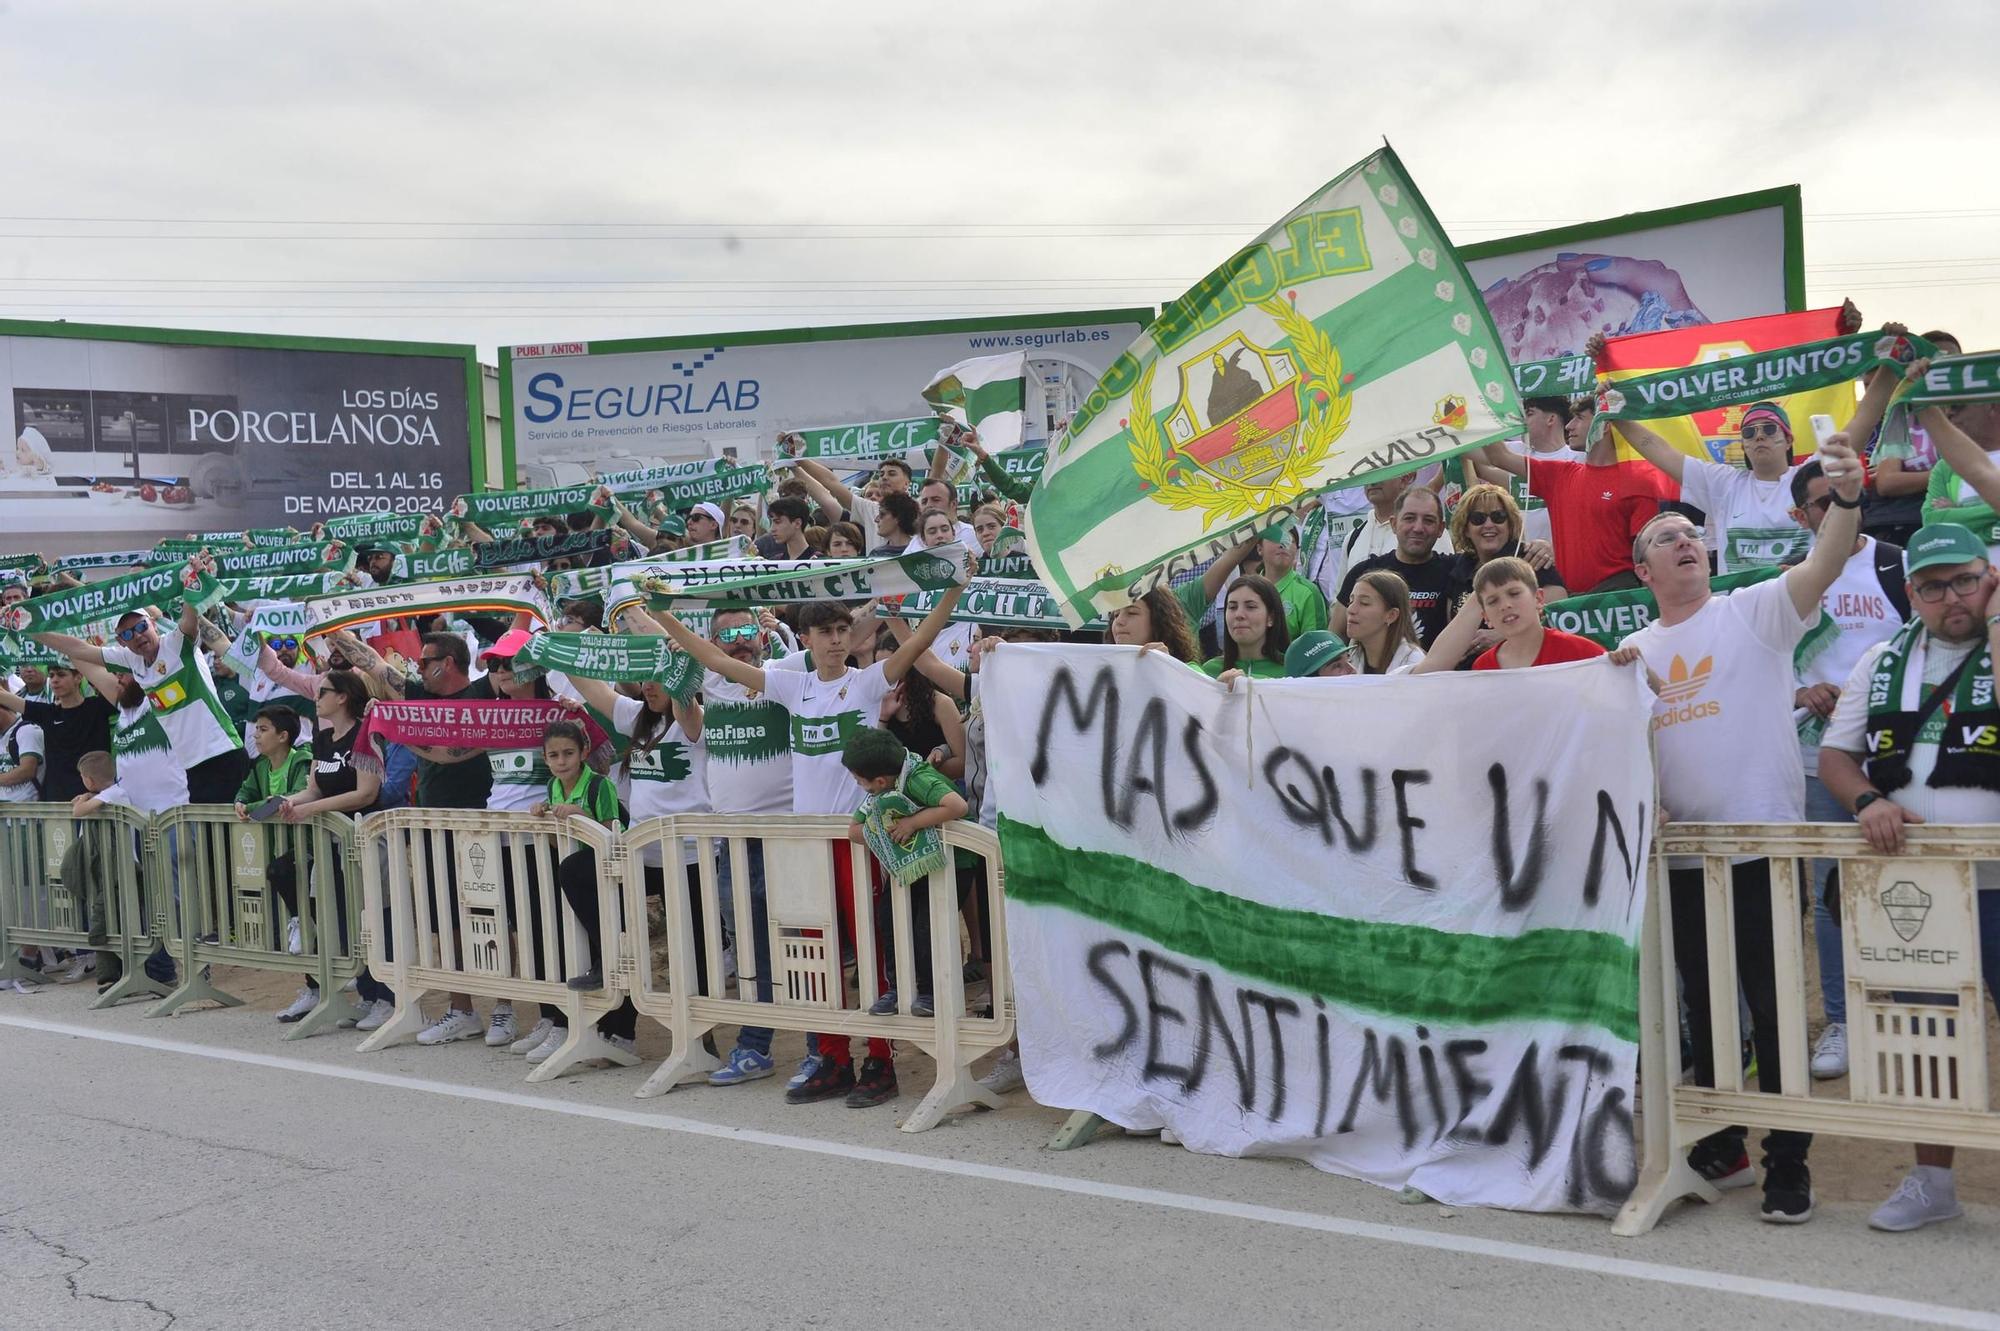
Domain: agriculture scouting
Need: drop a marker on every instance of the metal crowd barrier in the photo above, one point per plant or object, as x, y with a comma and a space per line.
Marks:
229, 912
1916, 1013
76, 883
451, 900
808, 983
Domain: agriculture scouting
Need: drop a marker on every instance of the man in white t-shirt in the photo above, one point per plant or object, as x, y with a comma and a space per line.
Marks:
826, 705
173, 670
1865, 605
1748, 508
1728, 752
1903, 747
749, 771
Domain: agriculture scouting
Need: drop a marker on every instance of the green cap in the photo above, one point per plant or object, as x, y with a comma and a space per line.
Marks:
1311, 653
1944, 543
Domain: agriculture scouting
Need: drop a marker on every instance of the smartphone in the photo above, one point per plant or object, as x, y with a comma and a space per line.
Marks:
267, 810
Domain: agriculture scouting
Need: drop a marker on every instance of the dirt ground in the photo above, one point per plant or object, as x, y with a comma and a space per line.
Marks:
1844, 1168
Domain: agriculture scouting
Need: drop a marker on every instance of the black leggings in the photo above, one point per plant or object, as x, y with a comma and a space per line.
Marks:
577, 876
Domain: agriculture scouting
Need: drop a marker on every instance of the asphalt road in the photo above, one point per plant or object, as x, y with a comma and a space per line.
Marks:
197, 1173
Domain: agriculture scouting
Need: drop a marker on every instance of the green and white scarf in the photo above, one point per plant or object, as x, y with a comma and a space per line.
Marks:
376, 528
512, 594
791, 581
285, 561
617, 658
682, 485
909, 861
1974, 378
1744, 379
77, 608
508, 507
1965, 729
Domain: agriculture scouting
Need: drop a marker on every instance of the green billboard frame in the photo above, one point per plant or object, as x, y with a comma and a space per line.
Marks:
764, 337
1786, 198
475, 394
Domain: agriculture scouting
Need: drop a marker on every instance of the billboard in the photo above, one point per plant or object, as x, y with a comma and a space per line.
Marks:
1707, 262
570, 406
126, 434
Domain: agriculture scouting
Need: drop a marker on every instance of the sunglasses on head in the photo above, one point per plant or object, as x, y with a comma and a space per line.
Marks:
741, 633
1479, 517
1762, 430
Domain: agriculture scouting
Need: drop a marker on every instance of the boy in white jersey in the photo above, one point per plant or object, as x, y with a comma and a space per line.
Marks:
826, 705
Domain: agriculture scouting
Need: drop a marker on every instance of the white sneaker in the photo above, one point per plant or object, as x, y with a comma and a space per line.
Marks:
295, 942
532, 1041
307, 1000
1005, 1075
377, 1016
351, 987
623, 1044
500, 1031
1926, 1195
453, 1025
19, 987
78, 969
1829, 1055
728, 964
552, 1042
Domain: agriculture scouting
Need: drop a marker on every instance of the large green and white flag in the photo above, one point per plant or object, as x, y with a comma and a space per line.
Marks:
1302, 919
1345, 343
988, 393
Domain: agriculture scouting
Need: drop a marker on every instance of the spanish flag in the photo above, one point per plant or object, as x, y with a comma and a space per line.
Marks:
1715, 435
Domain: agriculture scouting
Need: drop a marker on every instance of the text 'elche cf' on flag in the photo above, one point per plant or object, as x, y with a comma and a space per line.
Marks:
1345, 343
988, 393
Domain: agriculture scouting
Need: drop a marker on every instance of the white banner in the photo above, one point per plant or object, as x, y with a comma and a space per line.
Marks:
1388, 926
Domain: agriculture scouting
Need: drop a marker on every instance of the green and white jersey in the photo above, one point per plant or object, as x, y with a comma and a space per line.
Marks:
1749, 521
749, 741
150, 773
669, 775
520, 780
21, 740
824, 712
182, 693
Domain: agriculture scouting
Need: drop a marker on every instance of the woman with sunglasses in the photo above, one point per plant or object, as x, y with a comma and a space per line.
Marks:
1486, 524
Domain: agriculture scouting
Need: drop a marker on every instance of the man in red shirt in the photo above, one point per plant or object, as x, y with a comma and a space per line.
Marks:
1596, 506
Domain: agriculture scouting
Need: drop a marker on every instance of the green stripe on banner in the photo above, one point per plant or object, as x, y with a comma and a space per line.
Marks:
1573, 976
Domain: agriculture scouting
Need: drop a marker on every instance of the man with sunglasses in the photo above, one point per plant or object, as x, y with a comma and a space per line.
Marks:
1908, 745
174, 672
749, 771
1727, 753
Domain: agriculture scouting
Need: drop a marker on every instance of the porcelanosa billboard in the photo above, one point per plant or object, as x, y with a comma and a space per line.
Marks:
643, 400
149, 432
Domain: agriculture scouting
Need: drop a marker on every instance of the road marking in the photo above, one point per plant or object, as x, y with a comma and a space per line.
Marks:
1562, 1259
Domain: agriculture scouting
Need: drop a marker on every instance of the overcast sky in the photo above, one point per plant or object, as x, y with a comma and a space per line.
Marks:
340, 168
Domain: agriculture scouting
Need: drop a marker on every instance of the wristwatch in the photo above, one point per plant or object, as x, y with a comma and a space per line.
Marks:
1866, 798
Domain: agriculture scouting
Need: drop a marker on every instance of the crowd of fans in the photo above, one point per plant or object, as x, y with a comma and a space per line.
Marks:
815, 707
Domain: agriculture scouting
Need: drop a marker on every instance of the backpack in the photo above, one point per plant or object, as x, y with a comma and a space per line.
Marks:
14, 756
1890, 573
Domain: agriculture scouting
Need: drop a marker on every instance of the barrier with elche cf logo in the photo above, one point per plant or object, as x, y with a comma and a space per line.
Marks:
467, 901
76, 883
1916, 1012
784, 888
230, 908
